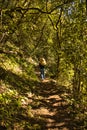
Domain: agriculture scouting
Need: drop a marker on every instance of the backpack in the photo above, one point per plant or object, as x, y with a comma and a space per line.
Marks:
42, 61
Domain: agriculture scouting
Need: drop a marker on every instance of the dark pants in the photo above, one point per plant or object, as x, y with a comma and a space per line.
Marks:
42, 74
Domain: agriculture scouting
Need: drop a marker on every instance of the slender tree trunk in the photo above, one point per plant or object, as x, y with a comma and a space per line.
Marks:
58, 54
86, 8
1, 18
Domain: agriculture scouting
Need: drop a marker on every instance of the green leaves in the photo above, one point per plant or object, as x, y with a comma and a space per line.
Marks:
30, 29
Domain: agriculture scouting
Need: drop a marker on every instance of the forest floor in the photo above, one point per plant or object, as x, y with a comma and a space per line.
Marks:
50, 107
43, 108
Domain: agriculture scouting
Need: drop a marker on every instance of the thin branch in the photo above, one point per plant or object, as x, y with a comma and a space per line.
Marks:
36, 9
38, 42
52, 22
40, 10
57, 21
3, 35
59, 18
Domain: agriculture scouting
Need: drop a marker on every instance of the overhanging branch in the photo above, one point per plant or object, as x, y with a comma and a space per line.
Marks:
19, 9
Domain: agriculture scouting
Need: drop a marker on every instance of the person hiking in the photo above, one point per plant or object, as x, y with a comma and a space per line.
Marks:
42, 64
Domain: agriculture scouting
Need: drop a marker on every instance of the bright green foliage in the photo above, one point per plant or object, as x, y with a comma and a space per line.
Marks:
55, 29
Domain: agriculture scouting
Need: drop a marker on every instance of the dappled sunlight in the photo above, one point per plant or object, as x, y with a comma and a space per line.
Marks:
10, 64
34, 103
50, 106
37, 96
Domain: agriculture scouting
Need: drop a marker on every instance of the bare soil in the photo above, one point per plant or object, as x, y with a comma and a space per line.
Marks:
50, 107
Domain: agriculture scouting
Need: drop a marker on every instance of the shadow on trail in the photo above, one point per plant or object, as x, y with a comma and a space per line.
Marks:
47, 104
18, 116
51, 107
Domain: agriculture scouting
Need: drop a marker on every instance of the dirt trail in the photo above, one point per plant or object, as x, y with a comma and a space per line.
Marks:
50, 107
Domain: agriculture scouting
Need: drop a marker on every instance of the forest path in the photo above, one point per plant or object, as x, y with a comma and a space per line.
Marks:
41, 105
49, 107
